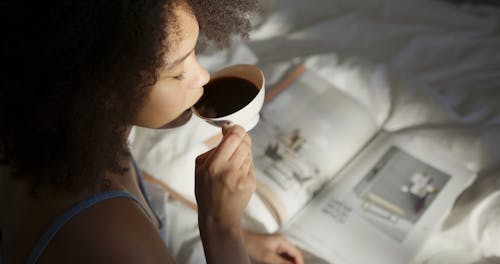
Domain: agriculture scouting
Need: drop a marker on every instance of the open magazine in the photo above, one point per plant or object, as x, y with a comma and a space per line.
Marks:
341, 187
305, 135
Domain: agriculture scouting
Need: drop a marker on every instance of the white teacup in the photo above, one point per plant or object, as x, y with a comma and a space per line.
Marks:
247, 115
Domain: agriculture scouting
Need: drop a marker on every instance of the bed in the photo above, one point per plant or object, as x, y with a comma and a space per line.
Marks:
430, 69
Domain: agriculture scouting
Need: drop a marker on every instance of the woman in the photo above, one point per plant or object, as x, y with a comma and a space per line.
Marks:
79, 75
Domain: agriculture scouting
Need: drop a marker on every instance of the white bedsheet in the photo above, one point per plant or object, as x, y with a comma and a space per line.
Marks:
425, 68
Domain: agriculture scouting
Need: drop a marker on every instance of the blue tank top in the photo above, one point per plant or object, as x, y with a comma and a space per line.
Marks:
62, 219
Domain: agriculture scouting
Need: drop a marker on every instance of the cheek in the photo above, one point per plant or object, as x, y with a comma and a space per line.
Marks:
162, 105
168, 101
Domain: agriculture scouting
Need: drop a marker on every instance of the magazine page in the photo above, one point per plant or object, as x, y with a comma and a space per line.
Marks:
306, 134
383, 205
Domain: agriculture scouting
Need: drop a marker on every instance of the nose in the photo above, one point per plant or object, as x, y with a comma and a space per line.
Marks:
202, 74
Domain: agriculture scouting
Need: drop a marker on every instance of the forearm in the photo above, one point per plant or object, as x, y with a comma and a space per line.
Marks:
222, 244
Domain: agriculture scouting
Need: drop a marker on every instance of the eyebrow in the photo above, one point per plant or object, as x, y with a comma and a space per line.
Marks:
169, 66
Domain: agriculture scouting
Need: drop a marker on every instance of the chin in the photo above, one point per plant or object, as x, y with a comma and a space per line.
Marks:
179, 121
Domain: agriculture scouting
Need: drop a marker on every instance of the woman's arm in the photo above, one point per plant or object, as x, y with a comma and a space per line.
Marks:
264, 248
224, 183
222, 244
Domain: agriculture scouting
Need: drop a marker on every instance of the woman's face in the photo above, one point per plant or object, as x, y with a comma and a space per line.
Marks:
180, 82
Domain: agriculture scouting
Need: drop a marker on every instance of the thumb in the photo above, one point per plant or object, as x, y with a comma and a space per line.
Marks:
225, 127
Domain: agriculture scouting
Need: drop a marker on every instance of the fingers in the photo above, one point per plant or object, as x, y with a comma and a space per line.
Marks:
225, 128
290, 252
277, 259
247, 182
233, 137
246, 164
251, 176
232, 160
234, 150
242, 152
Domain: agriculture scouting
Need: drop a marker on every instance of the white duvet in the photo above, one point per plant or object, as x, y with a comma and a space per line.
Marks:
425, 68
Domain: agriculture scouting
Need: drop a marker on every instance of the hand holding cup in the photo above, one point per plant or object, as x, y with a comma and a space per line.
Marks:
225, 179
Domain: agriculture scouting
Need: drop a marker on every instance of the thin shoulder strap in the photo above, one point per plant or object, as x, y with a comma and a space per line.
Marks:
145, 194
61, 220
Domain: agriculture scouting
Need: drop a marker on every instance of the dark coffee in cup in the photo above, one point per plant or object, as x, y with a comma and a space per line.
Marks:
225, 95
234, 95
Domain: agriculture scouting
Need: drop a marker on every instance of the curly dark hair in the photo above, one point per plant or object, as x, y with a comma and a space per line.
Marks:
76, 73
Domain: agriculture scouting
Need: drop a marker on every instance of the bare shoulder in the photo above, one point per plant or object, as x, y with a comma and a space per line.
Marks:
113, 231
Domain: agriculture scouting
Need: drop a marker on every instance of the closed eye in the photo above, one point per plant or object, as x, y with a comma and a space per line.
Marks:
179, 77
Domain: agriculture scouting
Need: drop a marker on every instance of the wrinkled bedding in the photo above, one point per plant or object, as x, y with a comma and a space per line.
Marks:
423, 68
